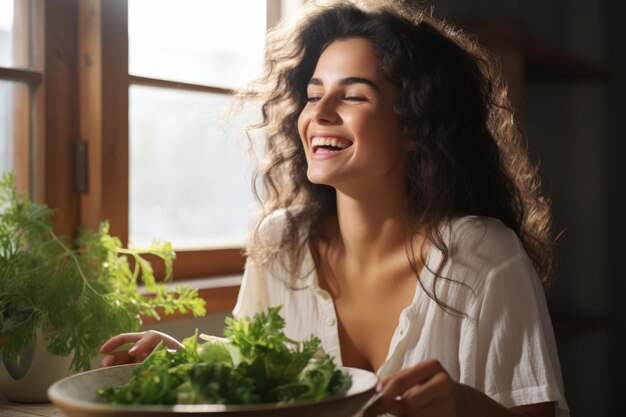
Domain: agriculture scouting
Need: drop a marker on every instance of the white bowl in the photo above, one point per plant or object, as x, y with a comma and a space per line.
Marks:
77, 397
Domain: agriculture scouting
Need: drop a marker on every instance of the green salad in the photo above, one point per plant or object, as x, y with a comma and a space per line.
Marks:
254, 363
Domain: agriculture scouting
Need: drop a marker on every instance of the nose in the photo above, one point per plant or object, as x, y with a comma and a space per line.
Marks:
325, 111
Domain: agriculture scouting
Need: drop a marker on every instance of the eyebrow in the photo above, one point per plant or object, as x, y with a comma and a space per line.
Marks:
347, 81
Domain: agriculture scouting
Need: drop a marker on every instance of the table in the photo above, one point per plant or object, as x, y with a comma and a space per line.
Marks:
10, 409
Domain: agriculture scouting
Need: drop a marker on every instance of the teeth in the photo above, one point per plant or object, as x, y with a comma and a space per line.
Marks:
326, 141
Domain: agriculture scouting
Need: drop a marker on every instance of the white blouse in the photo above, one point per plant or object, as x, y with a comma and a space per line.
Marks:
504, 346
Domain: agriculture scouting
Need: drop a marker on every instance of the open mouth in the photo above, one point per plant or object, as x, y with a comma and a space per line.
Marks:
329, 144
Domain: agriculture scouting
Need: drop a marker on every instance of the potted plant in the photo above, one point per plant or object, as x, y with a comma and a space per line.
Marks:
63, 301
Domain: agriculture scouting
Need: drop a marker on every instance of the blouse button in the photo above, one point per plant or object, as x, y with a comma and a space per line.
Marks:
330, 321
402, 332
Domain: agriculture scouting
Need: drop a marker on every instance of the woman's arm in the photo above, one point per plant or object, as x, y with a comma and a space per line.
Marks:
426, 389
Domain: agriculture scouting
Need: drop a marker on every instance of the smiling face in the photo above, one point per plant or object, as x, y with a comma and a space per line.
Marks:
348, 128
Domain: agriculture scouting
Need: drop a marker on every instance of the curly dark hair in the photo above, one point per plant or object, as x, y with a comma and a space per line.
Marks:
468, 157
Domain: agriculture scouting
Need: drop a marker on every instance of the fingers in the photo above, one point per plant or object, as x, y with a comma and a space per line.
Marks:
151, 339
409, 389
116, 358
143, 344
425, 399
107, 361
408, 377
119, 340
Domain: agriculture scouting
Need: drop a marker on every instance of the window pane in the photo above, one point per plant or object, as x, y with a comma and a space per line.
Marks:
6, 127
14, 115
189, 170
218, 43
16, 37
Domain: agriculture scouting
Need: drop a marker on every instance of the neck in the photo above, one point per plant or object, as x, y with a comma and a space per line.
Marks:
371, 223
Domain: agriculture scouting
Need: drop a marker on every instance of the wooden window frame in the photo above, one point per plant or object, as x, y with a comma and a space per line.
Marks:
104, 94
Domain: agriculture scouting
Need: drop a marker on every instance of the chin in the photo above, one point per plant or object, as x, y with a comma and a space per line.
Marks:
319, 179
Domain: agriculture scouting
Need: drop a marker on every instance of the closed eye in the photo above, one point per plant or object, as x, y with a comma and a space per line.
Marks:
355, 98
348, 98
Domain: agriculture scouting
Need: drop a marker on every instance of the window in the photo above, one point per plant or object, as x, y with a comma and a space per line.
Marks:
187, 161
106, 118
173, 170
39, 102
20, 87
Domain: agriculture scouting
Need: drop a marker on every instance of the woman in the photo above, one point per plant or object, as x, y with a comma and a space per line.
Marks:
403, 223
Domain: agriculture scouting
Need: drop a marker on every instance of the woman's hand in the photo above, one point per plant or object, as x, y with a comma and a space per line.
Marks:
144, 343
425, 389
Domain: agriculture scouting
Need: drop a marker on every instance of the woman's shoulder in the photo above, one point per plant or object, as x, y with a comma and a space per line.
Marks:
271, 227
277, 259
483, 239
481, 250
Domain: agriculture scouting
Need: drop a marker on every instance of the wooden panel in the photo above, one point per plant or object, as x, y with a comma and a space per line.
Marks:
202, 263
61, 120
190, 264
21, 106
37, 54
20, 34
20, 95
90, 96
38, 156
20, 74
178, 85
114, 174
273, 12
38, 149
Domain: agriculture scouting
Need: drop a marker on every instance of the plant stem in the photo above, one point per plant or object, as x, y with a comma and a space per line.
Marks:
74, 258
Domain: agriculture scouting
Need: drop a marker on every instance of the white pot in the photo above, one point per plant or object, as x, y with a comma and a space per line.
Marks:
36, 369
